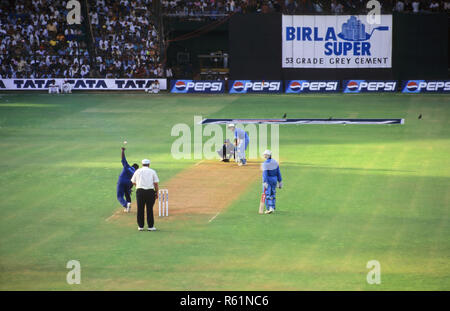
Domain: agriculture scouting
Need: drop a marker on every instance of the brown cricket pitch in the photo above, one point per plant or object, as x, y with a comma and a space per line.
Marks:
205, 188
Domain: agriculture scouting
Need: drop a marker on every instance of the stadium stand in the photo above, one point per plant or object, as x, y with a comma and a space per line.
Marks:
120, 39
213, 8
126, 39
37, 42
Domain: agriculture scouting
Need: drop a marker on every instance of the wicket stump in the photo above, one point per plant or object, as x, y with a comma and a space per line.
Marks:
163, 202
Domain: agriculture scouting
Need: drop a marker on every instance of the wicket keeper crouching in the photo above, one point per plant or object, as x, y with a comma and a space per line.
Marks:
271, 176
227, 151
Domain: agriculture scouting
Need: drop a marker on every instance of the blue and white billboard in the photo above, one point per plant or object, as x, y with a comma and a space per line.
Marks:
193, 86
365, 86
254, 86
307, 86
336, 41
424, 86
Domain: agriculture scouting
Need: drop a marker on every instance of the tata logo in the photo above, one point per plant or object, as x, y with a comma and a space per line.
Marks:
419, 86
304, 86
190, 86
357, 86
250, 86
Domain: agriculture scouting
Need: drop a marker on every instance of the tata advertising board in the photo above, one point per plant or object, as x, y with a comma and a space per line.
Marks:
82, 84
332, 41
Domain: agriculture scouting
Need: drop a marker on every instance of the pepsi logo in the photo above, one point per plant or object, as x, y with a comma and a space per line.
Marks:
238, 86
180, 85
295, 86
412, 86
352, 86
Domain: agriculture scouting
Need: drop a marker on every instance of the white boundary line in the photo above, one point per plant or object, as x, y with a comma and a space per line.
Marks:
115, 214
214, 217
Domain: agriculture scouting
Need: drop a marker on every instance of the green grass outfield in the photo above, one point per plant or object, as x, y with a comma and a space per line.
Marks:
352, 194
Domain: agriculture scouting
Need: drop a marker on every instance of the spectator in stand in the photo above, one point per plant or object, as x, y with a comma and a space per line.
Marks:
169, 73
434, 6
399, 6
291, 7
305, 7
447, 6
126, 38
415, 6
36, 41
317, 5
336, 7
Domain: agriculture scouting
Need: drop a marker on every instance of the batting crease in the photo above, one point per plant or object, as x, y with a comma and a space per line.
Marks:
214, 217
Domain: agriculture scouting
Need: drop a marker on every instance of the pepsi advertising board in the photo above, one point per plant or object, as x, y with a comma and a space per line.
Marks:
194, 86
306, 86
366, 86
254, 86
426, 86
336, 41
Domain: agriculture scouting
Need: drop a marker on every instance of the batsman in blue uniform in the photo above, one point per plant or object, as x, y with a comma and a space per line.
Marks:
241, 140
271, 176
124, 184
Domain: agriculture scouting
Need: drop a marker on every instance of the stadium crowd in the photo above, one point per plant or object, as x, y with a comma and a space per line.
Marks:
37, 42
126, 39
194, 8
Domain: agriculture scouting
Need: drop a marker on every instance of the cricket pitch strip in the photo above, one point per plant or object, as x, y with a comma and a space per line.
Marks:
205, 188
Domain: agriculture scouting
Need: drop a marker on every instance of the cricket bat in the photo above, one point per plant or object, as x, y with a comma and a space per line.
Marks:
262, 203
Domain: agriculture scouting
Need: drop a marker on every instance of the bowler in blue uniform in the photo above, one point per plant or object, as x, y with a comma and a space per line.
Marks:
124, 184
271, 176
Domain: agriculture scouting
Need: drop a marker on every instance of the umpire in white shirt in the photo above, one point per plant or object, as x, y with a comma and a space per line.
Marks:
146, 182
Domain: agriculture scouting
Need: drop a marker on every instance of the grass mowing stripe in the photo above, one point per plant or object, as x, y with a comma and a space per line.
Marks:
323, 166
350, 195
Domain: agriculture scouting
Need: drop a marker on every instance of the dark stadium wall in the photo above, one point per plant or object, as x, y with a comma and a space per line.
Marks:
420, 46
213, 40
255, 46
420, 50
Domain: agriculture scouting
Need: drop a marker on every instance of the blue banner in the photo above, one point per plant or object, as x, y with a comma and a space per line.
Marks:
309, 86
193, 86
254, 86
366, 86
426, 86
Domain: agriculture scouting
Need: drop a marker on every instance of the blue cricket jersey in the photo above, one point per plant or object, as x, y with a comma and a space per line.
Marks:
242, 135
271, 172
127, 172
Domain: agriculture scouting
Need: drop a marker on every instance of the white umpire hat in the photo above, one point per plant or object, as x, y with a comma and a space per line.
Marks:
146, 161
231, 125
